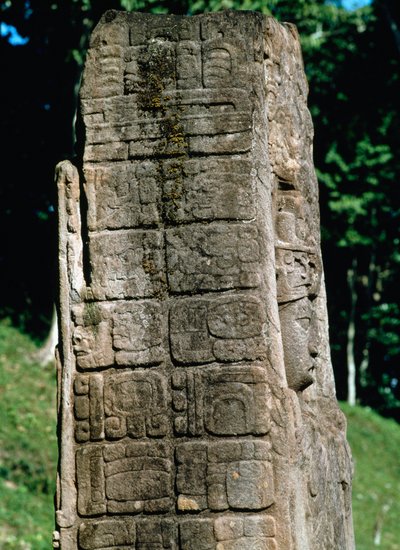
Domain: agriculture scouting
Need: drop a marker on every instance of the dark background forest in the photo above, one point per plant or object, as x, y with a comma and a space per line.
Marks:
352, 61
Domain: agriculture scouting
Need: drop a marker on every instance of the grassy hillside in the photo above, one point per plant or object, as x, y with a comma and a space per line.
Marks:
28, 457
375, 443
27, 445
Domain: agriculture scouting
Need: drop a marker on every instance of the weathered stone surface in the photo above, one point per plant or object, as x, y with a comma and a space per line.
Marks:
221, 400
197, 408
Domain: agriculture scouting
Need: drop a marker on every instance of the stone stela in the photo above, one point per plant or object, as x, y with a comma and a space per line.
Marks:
197, 407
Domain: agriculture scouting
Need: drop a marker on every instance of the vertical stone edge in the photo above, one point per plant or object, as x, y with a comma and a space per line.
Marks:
71, 283
317, 416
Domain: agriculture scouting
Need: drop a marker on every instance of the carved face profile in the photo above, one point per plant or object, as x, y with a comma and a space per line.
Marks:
300, 342
298, 278
83, 341
93, 346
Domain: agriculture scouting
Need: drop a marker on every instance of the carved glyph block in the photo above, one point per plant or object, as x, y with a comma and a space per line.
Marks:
225, 475
112, 333
112, 406
225, 329
221, 400
199, 189
129, 264
222, 257
222, 533
123, 196
124, 478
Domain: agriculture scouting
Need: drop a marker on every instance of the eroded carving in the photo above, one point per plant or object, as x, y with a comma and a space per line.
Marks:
223, 533
201, 190
114, 334
221, 400
222, 257
128, 264
123, 478
115, 405
225, 329
92, 336
123, 196
298, 273
226, 475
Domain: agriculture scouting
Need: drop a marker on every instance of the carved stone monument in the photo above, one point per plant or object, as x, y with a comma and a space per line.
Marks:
197, 408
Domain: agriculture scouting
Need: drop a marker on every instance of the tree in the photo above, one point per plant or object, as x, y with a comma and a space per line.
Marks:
357, 163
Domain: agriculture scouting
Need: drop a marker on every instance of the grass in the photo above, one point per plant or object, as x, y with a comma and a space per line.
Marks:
28, 457
375, 443
27, 445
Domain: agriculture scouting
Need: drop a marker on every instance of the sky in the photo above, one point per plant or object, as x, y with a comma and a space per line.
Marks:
354, 4
13, 36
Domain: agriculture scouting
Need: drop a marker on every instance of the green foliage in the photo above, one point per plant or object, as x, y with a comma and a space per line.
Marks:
200, 6
141, 5
356, 191
27, 445
354, 99
386, 327
383, 325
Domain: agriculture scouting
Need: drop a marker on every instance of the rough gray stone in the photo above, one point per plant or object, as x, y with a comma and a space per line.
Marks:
197, 407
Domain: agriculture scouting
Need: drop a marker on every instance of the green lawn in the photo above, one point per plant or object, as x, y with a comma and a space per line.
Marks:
28, 457
375, 443
27, 445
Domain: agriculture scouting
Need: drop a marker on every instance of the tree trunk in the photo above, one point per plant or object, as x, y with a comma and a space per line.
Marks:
391, 22
351, 332
45, 354
364, 366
